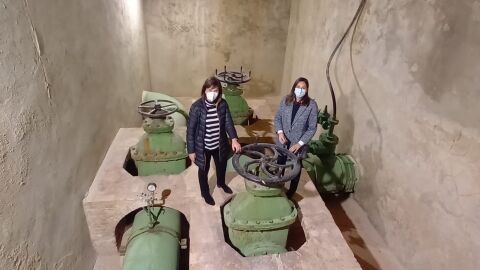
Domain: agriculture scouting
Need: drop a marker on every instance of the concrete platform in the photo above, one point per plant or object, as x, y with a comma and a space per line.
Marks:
114, 193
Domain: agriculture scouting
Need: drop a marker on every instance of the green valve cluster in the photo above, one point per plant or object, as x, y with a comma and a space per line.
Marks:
258, 219
330, 172
239, 109
159, 150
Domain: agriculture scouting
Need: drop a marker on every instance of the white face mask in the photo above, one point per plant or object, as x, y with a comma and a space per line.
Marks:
299, 92
211, 96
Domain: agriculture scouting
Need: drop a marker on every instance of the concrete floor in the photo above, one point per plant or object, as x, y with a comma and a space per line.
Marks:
363, 239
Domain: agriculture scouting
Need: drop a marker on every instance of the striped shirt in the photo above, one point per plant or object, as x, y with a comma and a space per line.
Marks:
212, 130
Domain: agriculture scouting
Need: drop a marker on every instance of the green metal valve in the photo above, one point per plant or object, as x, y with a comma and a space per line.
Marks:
330, 172
154, 240
154, 245
159, 150
258, 219
238, 106
239, 109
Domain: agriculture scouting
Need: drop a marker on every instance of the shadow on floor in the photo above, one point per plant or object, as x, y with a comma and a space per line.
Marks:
355, 241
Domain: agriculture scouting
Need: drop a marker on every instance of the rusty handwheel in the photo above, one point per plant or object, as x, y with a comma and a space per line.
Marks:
233, 77
262, 164
157, 108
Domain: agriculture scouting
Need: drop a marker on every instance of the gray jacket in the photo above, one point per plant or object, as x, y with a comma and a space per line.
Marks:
304, 124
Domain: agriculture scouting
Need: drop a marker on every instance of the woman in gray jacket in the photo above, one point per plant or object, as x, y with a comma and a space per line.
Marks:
296, 123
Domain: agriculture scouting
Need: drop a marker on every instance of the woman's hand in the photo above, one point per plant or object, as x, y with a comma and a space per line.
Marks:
236, 146
294, 149
192, 157
282, 138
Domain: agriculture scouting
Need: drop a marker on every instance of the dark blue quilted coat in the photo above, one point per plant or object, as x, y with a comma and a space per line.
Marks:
196, 130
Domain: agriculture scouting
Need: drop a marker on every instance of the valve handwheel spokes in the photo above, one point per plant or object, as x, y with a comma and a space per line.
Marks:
157, 108
262, 166
233, 77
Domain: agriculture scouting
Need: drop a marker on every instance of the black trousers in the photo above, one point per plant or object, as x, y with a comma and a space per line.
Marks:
294, 183
220, 166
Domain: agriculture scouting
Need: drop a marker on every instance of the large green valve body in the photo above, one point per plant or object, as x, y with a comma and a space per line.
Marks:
258, 220
159, 151
238, 106
154, 245
332, 176
330, 172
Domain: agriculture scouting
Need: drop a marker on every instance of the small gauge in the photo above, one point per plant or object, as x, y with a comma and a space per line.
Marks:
151, 187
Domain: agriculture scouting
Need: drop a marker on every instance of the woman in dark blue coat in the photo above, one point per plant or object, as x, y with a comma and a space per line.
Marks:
296, 123
209, 124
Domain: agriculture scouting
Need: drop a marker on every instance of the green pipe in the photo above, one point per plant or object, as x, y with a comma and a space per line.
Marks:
338, 176
154, 240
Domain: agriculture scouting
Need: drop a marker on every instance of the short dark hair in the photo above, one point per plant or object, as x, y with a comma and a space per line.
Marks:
291, 96
209, 82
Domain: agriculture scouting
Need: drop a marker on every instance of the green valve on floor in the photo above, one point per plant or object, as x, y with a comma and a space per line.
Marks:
154, 242
160, 150
330, 172
258, 219
232, 91
154, 246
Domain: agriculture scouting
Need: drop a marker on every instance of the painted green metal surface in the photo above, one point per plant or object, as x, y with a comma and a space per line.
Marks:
340, 176
180, 117
238, 106
159, 150
154, 240
258, 220
330, 172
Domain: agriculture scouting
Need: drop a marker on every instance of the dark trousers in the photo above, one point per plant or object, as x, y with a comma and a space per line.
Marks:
220, 166
294, 183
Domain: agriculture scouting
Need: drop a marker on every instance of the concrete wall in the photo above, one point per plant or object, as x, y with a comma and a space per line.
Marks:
188, 40
410, 116
71, 74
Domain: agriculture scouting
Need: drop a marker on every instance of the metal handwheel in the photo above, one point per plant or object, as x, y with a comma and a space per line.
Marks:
157, 108
262, 166
233, 77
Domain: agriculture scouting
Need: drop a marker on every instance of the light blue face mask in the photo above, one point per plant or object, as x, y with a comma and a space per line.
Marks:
299, 92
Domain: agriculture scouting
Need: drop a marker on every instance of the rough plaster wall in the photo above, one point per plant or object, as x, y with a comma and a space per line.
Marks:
410, 117
71, 74
188, 40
